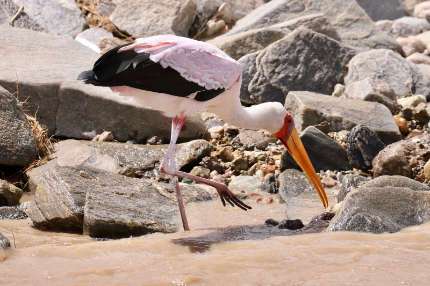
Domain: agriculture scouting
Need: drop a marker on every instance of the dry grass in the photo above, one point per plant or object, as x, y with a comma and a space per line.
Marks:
95, 20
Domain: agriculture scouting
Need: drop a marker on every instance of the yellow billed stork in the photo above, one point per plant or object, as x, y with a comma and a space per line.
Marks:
180, 76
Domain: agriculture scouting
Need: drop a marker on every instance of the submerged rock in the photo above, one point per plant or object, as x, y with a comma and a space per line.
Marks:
246, 184
293, 183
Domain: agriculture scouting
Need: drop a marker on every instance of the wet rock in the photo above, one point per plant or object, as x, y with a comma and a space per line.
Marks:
324, 152
386, 9
4, 242
69, 108
251, 139
91, 38
12, 213
17, 144
268, 75
104, 204
362, 146
293, 183
9, 194
292, 224
350, 182
405, 158
269, 184
247, 184
381, 209
375, 66
407, 26
271, 222
353, 26
148, 18
56, 17
134, 209
313, 109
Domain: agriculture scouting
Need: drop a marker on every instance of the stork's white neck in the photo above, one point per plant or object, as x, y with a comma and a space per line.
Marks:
269, 115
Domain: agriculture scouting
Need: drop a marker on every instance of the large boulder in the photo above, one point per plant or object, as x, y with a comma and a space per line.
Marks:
406, 158
383, 9
336, 114
324, 152
351, 22
147, 18
383, 205
375, 66
17, 144
69, 108
56, 17
303, 60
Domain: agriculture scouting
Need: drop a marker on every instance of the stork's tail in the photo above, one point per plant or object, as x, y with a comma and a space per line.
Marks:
88, 77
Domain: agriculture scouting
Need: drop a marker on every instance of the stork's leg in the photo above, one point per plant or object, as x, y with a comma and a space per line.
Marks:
169, 163
168, 166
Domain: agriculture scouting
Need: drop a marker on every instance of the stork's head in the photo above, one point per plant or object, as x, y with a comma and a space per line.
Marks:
290, 138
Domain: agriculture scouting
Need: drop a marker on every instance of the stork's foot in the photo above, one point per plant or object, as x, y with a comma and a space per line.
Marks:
224, 193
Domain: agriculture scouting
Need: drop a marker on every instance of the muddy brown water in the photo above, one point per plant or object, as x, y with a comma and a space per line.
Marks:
343, 258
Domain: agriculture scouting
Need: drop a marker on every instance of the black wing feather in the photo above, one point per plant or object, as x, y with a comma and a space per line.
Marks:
137, 70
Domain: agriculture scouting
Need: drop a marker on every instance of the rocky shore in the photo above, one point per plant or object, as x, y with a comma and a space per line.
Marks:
354, 74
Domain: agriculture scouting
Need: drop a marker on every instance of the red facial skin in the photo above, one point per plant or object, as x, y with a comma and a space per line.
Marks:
284, 133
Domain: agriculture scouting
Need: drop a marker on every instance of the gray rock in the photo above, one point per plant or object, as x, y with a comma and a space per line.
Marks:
129, 159
293, 183
251, 139
85, 111
4, 242
352, 24
385, 25
9, 194
303, 60
385, 9
246, 184
406, 158
324, 152
375, 66
349, 183
315, 109
104, 204
241, 44
147, 18
56, 17
69, 108
91, 38
407, 26
362, 146
8, 8
396, 181
17, 144
381, 209
106, 7
12, 213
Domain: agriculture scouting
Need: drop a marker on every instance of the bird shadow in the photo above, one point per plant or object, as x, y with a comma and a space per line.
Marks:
203, 243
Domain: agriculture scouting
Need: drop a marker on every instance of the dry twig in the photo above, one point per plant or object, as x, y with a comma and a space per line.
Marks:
16, 15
